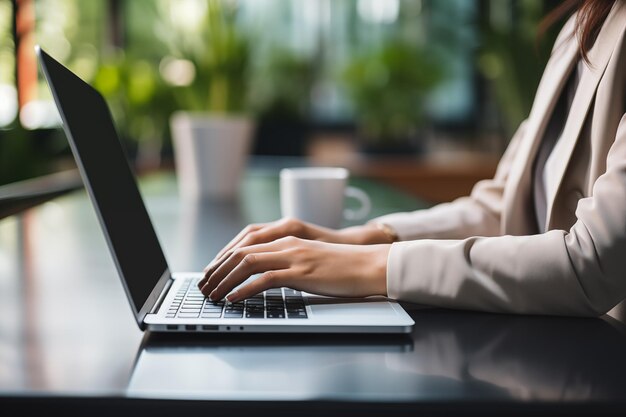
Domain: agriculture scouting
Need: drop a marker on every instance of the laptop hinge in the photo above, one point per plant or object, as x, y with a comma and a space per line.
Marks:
161, 298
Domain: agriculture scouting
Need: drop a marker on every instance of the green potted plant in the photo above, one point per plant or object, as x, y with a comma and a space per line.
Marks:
388, 87
212, 133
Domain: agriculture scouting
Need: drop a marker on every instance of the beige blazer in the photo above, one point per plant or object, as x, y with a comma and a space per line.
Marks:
484, 251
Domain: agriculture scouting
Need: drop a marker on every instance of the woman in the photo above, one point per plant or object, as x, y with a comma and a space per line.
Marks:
546, 235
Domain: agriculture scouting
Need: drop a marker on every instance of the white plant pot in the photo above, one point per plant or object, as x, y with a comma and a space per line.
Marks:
210, 153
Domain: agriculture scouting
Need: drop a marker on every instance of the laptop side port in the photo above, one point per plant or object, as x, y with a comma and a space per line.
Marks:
210, 328
190, 327
171, 327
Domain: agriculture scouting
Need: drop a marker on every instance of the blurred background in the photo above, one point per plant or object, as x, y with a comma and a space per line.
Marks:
422, 94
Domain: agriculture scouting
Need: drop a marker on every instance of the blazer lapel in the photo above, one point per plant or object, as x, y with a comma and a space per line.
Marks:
599, 56
516, 215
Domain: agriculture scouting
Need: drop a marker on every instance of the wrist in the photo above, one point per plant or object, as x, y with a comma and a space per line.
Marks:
386, 232
377, 269
368, 234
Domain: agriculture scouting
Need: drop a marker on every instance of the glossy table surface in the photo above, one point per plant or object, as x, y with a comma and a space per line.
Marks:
67, 332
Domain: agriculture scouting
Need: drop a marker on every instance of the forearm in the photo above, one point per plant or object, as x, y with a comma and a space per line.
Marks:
538, 274
459, 219
367, 234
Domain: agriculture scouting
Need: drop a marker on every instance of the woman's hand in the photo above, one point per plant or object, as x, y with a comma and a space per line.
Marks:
255, 234
312, 266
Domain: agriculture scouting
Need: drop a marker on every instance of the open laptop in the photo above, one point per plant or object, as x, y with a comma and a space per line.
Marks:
162, 301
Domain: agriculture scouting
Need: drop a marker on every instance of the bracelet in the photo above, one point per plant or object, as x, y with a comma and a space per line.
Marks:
388, 231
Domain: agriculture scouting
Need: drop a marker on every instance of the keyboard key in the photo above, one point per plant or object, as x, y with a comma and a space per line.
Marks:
255, 314
275, 315
188, 315
296, 314
233, 315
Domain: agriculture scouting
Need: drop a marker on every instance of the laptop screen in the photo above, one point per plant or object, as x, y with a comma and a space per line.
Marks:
109, 181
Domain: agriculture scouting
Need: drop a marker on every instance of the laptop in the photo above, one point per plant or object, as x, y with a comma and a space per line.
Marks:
163, 301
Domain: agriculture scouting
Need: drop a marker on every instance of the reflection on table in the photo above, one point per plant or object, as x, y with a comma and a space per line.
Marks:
458, 356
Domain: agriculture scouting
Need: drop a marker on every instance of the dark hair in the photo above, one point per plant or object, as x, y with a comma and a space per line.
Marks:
589, 20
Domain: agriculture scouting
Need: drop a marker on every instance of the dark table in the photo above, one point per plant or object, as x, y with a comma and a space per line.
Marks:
69, 343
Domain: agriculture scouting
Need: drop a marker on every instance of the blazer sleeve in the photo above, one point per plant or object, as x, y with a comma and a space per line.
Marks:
477, 214
580, 271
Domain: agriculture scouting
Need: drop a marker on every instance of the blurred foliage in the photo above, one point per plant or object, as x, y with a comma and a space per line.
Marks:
139, 98
7, 47
220, 53
282, 86
280, 59
72, 31
388, 87
513, 59
17, 159
25, 154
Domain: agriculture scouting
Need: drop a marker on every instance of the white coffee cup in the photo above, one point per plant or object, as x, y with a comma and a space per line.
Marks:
317, 195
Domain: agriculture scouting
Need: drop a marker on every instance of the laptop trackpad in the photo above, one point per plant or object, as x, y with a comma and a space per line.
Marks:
326, 306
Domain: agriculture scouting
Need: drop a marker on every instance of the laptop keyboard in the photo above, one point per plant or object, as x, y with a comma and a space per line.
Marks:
276, 303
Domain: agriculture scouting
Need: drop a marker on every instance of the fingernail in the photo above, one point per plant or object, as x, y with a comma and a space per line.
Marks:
212, 296
233, 297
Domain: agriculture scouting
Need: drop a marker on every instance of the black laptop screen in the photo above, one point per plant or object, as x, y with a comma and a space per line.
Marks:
109, 180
